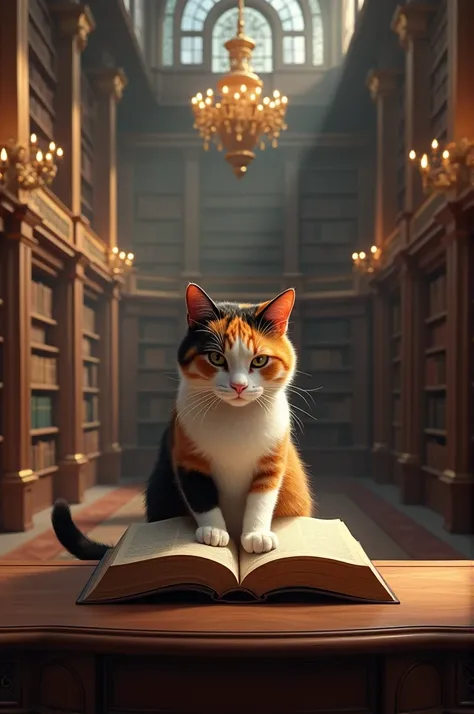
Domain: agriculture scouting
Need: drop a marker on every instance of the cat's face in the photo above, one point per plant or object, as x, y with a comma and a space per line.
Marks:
240, 353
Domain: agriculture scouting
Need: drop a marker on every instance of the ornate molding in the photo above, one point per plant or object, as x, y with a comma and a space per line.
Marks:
411, 22
382, 83
74, 20
109, 81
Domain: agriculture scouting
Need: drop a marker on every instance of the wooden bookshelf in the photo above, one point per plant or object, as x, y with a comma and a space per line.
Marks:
90, 383
42, 70
434, 431
395, 376
2, 307
158, 339
44, 385
88, 128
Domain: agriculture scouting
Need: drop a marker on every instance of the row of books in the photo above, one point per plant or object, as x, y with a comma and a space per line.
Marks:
324, 359
326, 330
41, 412
39, 334
41, 299
91, 441
165, 331
437, 295
44, 370
91, 408
436, 453
156, 408
88, 347
335, 409
88, 319
43, 454
436, 411
435, 370
90, 375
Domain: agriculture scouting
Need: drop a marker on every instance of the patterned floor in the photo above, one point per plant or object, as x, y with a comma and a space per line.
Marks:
385, 530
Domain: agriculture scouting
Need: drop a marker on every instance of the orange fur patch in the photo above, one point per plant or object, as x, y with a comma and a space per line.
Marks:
295, 498
185, 453
270, 469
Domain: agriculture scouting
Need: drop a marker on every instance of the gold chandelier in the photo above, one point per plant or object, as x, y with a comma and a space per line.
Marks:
28, 169
120, 262
239, 118
366, 263
448, 171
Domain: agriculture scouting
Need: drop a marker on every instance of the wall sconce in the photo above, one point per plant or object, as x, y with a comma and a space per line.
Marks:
450, 170
121, 262
28, 169
365, 263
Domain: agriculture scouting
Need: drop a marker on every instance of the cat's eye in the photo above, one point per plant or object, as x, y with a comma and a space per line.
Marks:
259, 361
216, 359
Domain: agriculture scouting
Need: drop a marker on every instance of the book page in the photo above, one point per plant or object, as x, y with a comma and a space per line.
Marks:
308, 537
173, 537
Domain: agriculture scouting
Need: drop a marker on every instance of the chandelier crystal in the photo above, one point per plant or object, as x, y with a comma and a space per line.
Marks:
449, 170
366, 263
236, 117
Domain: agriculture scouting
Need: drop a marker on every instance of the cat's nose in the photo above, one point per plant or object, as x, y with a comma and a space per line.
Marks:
239, 386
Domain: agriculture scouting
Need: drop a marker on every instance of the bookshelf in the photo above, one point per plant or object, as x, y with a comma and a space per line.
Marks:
1, 371
395, 375
326, 365
90, 383
44, 386
157, 377
434, 432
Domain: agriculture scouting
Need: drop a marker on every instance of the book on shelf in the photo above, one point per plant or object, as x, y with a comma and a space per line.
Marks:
44, 370
91, 441
41, 412
91, 408
88, 319
41, 299
90, 375
43, 454
314, 556
38, 334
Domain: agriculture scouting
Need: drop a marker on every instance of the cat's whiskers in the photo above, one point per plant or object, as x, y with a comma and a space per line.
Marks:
193, 401
213, 403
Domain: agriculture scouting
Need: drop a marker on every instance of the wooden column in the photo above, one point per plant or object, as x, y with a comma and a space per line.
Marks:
291, 237
17, 482
109, 84
74, 25
461, 63
70, 482
411, 23
408, 468
383, 85
110, 460
360, 392
382, 463
125, 198
14, 77
129, 336
192, 214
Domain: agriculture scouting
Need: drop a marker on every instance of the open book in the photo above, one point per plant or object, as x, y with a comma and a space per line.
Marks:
313, 556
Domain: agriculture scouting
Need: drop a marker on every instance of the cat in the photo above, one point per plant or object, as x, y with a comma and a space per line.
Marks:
227, 456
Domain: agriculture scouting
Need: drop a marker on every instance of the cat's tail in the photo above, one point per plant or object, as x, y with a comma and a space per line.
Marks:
71, 538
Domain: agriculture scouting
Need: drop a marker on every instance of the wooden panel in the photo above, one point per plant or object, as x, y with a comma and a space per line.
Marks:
439, 72
42, 70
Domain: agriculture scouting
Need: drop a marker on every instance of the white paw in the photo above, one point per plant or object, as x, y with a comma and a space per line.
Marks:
212, 536
259, 541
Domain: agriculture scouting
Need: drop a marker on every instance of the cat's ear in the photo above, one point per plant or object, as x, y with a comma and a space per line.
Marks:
278, 310
199, 305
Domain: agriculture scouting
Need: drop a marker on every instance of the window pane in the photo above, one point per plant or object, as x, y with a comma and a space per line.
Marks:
139, 21
195, 13
294, 50
191, 50
318, 32
256, 27
167, 47
127, 4
349, 23
290, 13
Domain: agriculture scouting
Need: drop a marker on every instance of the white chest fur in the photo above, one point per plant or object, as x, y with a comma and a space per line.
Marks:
234, 439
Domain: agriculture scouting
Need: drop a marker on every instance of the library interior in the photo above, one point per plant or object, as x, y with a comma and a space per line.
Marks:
122, 180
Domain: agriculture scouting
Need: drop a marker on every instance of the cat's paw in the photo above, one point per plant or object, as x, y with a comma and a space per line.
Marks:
259, 541
212, 536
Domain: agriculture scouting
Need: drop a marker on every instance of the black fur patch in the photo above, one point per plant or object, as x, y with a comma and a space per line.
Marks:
199, 490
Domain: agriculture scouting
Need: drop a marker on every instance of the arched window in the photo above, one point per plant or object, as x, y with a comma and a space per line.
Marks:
256, 26
351, 10
300, 45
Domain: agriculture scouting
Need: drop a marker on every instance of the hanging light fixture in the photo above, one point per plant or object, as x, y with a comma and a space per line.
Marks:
449, 171
366, 263
237, 118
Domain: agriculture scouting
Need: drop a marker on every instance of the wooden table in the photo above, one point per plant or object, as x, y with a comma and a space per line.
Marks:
56, 656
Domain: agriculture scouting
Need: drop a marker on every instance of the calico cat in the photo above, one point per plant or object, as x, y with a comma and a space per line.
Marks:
227, 456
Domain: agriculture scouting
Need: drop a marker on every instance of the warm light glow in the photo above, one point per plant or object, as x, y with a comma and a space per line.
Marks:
29, 168
33, 139
199, 96
59, 152
243, 88
48, 156
412, 155
115, 250
434, 144
424, 161
445, 154
130, 256
122, 255
362, 255
225, 90
3, 155
52, 146
209, 92
355, 256
373, 249
39, 156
